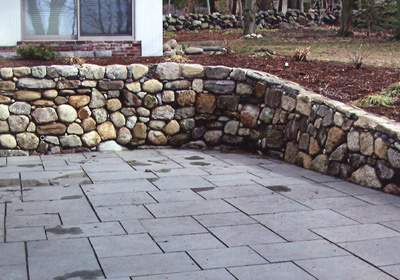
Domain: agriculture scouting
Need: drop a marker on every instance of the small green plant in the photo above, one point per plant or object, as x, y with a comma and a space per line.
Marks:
393, 90
41, 52
169, 35
376, 100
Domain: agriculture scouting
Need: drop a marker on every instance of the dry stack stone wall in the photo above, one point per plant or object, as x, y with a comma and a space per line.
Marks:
58, 108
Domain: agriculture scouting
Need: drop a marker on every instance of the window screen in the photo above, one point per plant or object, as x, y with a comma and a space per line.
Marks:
105, 17
51, 17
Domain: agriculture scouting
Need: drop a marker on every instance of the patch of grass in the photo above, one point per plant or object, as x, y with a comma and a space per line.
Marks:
178, 58
169, 35
376, 100
393, 90
72, 59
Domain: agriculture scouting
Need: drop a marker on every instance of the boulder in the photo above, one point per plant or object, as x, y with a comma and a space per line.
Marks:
27, 141
366, 176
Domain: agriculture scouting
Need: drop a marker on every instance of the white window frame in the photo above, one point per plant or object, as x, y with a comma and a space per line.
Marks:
27, 37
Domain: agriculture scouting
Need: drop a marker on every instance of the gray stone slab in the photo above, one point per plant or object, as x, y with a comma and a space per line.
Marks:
295, 226
53, 248
78, 266
187, 208
347, 267
47, 207
233, 191
133, 226
148, 265
380, 198
52, 193
124, 245
167, 172
24, 160
175, 195
393, 270
179, 243
237, 179
78, 217
242, 159
330, 202
21, 168
98, 177
320, 178
13, 272
182, 182
372, 213
3, 161
393, 225
25, 234
9, 179
10, 194
302, 250
281, 271
84, 230
383, 251
12, 254
226, 257
349, 188
242, 235
172, 226
102, 167
140, 153
252, 169
356, 232
213, 274
225, 219
155, 164
302, 192
63, 168
123, 212
282, 181
33, 220
118, 187
123, 198
274, 203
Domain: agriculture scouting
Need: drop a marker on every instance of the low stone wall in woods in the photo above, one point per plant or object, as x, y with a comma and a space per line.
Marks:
264, 19
57, 109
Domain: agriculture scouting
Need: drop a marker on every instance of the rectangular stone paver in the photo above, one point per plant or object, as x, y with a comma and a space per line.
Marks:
172, 226
123, 198
226, 257
133, 226
175, 195
242, 235
278, 271
393, 270
183, 182
356, 232
176, 172
331, 202
290, 251
84, 230
98, 177
237, 179
349, 188
122, 212
233, 191
13, 272
51, 193
126, 245
380, 198
347, 267
25, 234
371, 213
148, 265
176, 209
213, 274
118, 187
225, 219
12, 253
78, 217
178, 243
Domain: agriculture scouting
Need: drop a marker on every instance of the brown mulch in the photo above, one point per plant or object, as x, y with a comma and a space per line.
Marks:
335, 80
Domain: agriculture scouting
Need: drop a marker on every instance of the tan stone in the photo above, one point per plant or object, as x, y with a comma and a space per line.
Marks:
304, 104
314, 147
27, 95
113, 104
367, 143
366, 176
259, 89
51, 129
44, 115
67, 113
8, 141
139, 71
27, 141
186, 98
157, 125
303, 160
192, 71
381, 148
157, 137
84, 112
124, 136
31, 127
68, 84
118, 119
43, 103
79, 101
5, 99
205, 103
134, 87
21, 71
336, 136
6, 73
140, 131
107, 131
152, 86
4, 128
88, 124
7, 86
91, 139
50, 93
172, 128
168, 96
75, 128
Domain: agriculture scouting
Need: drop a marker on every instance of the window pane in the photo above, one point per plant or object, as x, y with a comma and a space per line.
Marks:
106, 17
50, 17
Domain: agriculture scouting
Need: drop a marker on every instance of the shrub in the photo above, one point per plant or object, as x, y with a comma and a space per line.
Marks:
72, 59
301, 54
357, 57
392, 90
376, 100
41, 52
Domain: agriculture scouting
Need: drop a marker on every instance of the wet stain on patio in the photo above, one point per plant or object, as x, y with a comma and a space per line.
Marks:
33, 183
200, 163
279, 188
71, 197
81, 274
61, 231
164, 170
193, 158
137, 163
202, 189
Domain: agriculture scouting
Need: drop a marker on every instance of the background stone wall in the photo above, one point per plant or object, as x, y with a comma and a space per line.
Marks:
62, 108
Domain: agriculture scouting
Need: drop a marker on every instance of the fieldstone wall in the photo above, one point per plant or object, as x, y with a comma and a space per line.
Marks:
57, 109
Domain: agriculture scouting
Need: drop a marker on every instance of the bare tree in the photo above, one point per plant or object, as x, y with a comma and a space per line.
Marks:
250, 10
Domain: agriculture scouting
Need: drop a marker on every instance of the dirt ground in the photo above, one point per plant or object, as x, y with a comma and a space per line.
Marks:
335, 79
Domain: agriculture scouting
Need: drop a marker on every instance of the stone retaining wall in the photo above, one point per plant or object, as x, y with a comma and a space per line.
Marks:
58, 108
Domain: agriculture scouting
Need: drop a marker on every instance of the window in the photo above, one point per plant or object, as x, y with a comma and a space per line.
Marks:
61, 19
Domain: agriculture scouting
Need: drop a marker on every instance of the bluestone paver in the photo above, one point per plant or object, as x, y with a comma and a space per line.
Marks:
187, 214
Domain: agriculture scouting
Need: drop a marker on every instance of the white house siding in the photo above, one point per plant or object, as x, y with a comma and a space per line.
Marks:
148, 26
10, 22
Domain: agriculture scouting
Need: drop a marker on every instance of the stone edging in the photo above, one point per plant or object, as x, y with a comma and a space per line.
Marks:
58, 108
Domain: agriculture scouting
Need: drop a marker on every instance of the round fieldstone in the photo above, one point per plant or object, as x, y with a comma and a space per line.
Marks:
8, 141
124, 136
97, 100
140, 131
165, 112
70, 141
131, 122
117, 72
84, 112
90, 71
192, 71
157, 125
366, 176
118, 119
381, 148
186, 97
20, 108
133, 87
249, 115
143, 112
79, 101
67, 113
231, 127
75, 128
113, 104
131, 99
213, 137
152, 86
187, 124
168, 71
50, 94
336, 136
100, 115
157, 137
27, 95
51, 129
168, 96
7, 86
205, 103
4, 112
172, 128
150, 101
139, 71
244, 89
27, 141
107, 131
88, 124
320, 164
91, 139
18, 123
4, 128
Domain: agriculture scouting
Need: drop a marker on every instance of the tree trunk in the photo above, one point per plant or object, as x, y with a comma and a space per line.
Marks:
284, 6
250, 10
346, 19
233, 11
301, 5
397, 35
208, 7
212, 6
